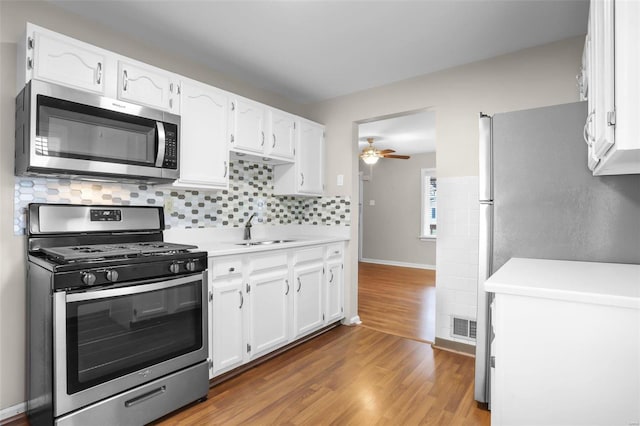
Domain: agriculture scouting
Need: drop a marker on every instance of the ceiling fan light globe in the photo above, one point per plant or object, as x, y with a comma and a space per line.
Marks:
370, 159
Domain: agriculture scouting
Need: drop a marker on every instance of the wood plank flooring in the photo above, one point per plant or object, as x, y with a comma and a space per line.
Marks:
347, 376
397, 300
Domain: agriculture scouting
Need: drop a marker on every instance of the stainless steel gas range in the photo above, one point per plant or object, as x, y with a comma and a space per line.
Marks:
117, 323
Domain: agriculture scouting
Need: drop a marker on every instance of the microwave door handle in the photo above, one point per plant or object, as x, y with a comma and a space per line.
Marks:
162, 143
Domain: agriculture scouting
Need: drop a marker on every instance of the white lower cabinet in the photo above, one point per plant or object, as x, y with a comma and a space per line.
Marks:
307, 298
335, 290
226, 332
226, 315
263, 301
268, 306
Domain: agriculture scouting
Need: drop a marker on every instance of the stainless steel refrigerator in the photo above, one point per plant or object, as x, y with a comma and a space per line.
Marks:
538, 199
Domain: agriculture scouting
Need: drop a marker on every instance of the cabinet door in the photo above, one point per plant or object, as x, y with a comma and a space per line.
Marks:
602, 40
203, 145
310, 156
146, 86
334, 280
247, 125
227, 320
281, 140
62, 61
268, 319
307, 298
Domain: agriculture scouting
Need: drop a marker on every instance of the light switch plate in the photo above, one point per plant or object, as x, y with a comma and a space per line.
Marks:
340, 181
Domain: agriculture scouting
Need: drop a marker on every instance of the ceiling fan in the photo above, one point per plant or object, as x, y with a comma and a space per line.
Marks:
370, 155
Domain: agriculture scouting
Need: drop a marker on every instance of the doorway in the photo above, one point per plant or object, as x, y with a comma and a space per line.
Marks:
397, 242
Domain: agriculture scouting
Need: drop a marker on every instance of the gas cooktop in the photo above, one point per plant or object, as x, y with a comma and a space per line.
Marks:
114, 251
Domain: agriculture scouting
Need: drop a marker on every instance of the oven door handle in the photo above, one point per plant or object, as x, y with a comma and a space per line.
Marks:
129, 290
162, 143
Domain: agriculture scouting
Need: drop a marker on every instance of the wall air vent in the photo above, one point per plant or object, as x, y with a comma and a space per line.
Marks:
463, 327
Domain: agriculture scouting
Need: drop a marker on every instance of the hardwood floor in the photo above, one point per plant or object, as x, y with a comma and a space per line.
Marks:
397, 300
347, 376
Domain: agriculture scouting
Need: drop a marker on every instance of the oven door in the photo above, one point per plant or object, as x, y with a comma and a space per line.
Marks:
110, 340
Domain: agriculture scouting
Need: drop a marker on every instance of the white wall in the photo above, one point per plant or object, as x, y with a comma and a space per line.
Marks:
392, 226
13, 18
534, 77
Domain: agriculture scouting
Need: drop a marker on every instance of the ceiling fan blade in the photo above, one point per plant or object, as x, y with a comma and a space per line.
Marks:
386, 151
401, 157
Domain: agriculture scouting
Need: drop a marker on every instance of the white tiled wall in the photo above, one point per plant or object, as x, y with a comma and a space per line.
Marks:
456, 252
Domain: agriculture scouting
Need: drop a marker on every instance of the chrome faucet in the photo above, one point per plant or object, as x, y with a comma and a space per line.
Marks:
247, 228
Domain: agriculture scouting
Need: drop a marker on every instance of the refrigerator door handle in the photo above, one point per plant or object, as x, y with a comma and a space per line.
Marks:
485, 151
483, 319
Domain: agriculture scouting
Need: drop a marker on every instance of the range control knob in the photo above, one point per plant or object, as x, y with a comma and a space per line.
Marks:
88, 278
112, 275
174, 267
191, 266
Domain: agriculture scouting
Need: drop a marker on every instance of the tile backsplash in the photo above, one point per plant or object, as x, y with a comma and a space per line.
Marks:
250, 191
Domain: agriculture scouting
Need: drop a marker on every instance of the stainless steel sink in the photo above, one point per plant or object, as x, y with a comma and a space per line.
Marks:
263, 243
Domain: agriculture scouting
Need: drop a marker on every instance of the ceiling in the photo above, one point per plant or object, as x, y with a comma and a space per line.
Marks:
309, 51
406, 134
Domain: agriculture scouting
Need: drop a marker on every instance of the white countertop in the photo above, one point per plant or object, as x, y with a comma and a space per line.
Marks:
227, 241
611, 284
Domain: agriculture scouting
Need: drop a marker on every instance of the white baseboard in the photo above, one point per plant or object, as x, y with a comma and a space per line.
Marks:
14, 410
403, 264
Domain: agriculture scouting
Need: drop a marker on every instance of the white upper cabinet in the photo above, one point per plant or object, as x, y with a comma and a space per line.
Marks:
310, 164
62, 60
146, 85
612, 130
281, 135
306, 176
246, 126
204, 156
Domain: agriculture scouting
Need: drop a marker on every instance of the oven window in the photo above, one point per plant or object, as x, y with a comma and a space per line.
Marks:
108, 338
71, 130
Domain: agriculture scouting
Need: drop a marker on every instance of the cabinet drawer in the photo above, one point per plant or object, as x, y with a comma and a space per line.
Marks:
307, 255
269, 261
335, 251
221, 267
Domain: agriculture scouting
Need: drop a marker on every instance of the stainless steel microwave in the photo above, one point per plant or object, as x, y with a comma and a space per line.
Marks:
64, 132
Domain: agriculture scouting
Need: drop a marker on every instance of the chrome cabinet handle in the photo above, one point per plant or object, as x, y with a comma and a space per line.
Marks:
225, 175
299, 285
241, 299
125, 80
262, 144
331, 279
233, 106
274, 141
287, 292
302, 179
170, 103
171, 87
99, 73
231, 138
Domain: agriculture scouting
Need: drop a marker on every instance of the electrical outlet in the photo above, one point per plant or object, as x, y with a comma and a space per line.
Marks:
168, 204
340, 180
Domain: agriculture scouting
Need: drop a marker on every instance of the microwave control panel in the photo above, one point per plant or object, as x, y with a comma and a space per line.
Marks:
171, 147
